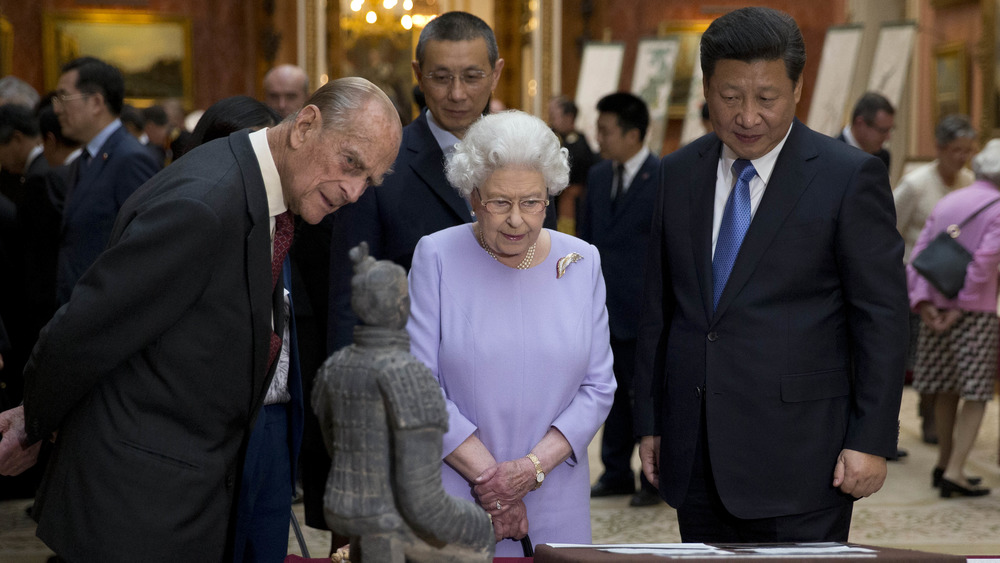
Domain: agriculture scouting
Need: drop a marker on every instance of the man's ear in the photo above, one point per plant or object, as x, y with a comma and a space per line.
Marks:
307, 120
497, 70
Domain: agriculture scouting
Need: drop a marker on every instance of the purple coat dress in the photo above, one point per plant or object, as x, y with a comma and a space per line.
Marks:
515, 352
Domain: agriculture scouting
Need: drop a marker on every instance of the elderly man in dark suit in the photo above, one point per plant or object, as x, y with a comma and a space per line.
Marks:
89, 98
772, 347
616, 215
155, 370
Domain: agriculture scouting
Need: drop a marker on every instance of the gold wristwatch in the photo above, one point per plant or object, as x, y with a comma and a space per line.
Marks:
539, 474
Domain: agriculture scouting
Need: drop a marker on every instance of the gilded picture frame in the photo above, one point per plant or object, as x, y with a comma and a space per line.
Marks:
951, 78
153, 51
6, 47
688, 35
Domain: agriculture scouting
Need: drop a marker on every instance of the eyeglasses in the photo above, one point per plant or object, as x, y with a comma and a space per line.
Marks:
61, 99
472, 79
880, 130
504, 206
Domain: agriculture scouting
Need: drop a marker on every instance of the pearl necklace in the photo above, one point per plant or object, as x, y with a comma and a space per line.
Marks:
524, 265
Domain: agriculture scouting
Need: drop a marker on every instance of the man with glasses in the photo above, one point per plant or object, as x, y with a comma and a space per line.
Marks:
871, 125
88, 100
616, 216
457, 68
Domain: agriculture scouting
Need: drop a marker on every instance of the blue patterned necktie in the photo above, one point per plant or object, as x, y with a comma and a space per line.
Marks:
735, 222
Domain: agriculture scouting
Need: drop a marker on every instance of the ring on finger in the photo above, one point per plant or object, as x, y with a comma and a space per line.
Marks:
498, 505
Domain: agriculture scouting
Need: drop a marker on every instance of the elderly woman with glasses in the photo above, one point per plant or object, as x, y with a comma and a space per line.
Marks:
511, 319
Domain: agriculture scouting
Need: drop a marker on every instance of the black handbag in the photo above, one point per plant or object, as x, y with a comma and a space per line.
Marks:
944, 261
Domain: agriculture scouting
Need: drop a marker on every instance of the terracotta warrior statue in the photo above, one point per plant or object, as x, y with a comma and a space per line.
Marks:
382, 416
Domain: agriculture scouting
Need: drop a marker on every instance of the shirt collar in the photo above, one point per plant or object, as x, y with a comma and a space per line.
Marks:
35, 153
633, 164
849, 137
763, 165
268, 172
445, 139
95, 144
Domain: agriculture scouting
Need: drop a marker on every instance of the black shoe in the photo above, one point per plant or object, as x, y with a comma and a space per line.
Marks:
602, 489
645, 497
949, 487
938, 473
900, 453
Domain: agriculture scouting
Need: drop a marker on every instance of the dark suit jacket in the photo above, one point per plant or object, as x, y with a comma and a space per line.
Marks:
805, 353
154, 371
621, 237
39, 219
97, 192
882, 154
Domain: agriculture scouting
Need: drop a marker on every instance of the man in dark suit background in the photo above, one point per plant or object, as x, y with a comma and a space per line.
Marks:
457, 68
155, 370
89, 97
616, 216
871, 125
770, 367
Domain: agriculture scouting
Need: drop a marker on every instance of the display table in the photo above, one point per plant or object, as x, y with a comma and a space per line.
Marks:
701, 553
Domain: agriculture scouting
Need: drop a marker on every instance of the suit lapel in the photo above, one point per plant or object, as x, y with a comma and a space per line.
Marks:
702, 211
792, 174
428, 165
258, 259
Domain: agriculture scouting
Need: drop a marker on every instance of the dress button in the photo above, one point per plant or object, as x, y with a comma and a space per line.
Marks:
713, 336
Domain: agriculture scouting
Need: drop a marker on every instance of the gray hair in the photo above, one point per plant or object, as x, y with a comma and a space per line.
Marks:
342, 104
953, 127
986, 164
509, 139
13, 90
457, 26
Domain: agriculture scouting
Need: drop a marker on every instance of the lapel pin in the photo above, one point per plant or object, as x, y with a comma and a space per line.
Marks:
104, 156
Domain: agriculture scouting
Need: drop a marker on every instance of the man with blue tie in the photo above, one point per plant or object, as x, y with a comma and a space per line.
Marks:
88, 100
616, 215
772, 346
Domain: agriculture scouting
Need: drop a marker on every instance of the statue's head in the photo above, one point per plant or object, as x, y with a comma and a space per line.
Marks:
379, 295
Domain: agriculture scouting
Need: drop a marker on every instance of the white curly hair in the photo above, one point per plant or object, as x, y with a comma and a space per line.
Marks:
508, 139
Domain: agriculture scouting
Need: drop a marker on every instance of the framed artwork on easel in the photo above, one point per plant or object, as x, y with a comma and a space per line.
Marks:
600, 71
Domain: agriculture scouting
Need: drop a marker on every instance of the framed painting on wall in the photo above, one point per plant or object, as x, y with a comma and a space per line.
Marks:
830, 101
950, 80
600, 71
652, 80
6, 47
152, 51
688, 36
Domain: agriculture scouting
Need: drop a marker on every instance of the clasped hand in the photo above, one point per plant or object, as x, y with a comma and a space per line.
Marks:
15, 454
505, 485
938, 320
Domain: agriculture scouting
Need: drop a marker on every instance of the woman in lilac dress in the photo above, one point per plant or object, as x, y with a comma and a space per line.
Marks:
511, 319
957, 346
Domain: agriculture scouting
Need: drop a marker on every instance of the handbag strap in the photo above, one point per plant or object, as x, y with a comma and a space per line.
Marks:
974, 215
526, 546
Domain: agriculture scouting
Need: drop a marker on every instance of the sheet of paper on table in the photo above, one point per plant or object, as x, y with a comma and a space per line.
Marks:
703, 550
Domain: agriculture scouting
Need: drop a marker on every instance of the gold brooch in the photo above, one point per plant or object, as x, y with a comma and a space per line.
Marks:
564, 263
